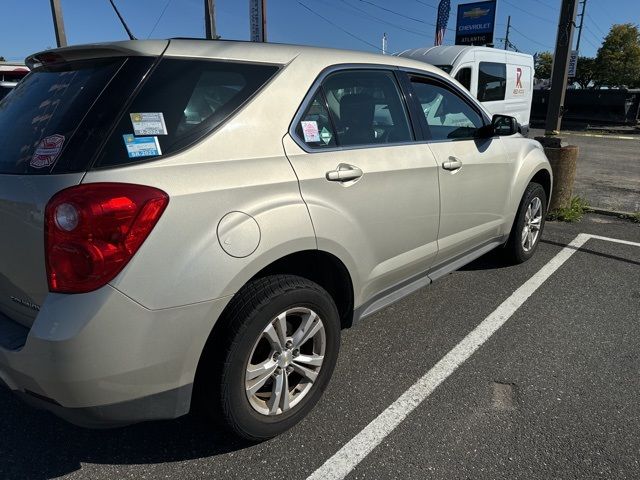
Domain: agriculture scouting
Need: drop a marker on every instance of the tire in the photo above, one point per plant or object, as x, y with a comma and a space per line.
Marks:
517, 250
249, 336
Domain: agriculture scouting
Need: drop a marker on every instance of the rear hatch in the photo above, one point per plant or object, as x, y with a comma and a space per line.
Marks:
52, 125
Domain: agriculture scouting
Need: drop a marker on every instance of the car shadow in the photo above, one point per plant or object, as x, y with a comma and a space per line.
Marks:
35, 444
489, 261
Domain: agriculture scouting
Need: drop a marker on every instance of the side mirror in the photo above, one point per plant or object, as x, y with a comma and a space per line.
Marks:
504, 125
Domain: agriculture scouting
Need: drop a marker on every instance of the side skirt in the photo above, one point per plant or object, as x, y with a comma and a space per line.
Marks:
407, 287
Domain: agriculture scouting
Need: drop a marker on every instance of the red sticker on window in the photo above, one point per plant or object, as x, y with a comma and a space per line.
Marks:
47, 151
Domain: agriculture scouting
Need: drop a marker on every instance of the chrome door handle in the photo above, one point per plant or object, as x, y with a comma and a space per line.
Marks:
344, 173
452, 164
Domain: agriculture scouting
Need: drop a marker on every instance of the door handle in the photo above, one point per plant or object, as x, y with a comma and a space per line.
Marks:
344, 173
452, 164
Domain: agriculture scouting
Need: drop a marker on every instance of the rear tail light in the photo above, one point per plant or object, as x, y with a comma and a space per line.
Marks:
93, 230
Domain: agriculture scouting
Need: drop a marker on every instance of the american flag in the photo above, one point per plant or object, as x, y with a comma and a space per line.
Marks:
443, 18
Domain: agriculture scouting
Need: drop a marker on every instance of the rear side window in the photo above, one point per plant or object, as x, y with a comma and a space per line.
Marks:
464, 77
40, 116
183, 101
366, 108
492, 81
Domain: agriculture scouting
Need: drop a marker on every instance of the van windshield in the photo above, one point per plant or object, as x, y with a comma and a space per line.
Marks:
40, 116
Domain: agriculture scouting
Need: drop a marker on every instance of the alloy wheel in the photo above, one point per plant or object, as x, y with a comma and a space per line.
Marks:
285, 361
532, 224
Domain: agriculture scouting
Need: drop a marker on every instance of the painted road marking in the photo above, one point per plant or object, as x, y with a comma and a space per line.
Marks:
350, 455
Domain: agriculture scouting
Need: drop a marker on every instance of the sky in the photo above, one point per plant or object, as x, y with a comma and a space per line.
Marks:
26, 26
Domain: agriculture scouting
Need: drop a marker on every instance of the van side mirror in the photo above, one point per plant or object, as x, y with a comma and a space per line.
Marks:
504, 125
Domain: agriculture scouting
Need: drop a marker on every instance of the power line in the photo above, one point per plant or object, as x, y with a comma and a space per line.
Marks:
552, 7
159, 18
426, 4
596, 25
385, 22
530, 39
339, 27
529, 13
398, 14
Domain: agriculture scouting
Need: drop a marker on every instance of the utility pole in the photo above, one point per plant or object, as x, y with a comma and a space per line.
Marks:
258, 20
584, 7
384, 43
58, 23
506, 38
210, 20
564, 41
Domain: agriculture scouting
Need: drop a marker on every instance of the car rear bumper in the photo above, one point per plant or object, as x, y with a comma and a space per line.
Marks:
100, 359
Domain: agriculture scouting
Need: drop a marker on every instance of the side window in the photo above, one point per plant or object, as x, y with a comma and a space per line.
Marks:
492, 81
448, 116
366, 108
315, 127
464, 77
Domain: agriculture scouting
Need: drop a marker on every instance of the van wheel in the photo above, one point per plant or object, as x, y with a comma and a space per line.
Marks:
276, 353
528, 225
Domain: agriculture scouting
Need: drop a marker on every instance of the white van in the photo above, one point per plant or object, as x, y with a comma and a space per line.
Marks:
500, 79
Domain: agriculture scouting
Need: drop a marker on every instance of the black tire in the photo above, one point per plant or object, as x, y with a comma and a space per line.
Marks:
221, 374
514, 249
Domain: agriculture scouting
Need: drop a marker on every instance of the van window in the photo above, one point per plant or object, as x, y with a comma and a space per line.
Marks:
448, 116
492, 81
464, 77
182, 101
366, 107
315, 128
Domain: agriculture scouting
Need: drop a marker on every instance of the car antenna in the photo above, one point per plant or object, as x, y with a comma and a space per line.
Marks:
124, 24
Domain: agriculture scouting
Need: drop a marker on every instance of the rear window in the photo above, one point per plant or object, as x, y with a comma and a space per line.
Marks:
72, 116
39, 118
183, 101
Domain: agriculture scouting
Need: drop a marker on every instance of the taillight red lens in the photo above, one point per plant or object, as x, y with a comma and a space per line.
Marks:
93, 230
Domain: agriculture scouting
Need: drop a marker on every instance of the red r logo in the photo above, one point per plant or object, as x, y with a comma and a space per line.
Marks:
518, 77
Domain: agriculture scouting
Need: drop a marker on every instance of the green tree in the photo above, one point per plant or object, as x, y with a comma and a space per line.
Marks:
544, 64
618, 60
585, 71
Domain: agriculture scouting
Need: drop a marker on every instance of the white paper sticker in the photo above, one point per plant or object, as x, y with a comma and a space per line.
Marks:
148, 123
310, 131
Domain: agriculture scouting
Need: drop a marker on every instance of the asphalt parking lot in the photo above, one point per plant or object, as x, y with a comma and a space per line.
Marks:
608, 168
553, 393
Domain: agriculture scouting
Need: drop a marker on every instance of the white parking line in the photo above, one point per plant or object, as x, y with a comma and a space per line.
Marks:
350, 455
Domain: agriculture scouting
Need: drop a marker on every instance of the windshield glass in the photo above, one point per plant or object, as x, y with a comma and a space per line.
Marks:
40, 116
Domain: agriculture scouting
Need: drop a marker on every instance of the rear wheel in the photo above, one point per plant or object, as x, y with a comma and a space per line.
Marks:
276, 353
528, 225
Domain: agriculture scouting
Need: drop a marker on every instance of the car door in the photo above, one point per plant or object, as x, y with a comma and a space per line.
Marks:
474, 173
372, 192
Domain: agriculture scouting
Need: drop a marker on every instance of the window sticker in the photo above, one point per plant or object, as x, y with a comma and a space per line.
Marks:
47, 151
310, 131
141, 146
149, 123
325, 135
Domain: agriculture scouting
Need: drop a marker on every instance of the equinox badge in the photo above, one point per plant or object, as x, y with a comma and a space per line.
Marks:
26, 303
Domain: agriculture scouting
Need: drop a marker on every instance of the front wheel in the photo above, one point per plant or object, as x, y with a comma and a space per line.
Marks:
275, 356
528, 225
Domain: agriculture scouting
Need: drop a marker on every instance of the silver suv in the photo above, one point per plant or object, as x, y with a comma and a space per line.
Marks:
191, 223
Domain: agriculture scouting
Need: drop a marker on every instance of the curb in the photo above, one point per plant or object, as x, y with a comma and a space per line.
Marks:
613, 213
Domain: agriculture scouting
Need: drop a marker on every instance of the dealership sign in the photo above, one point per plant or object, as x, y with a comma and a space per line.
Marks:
476, 22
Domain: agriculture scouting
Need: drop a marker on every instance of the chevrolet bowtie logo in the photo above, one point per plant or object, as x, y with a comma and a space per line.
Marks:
475, 13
